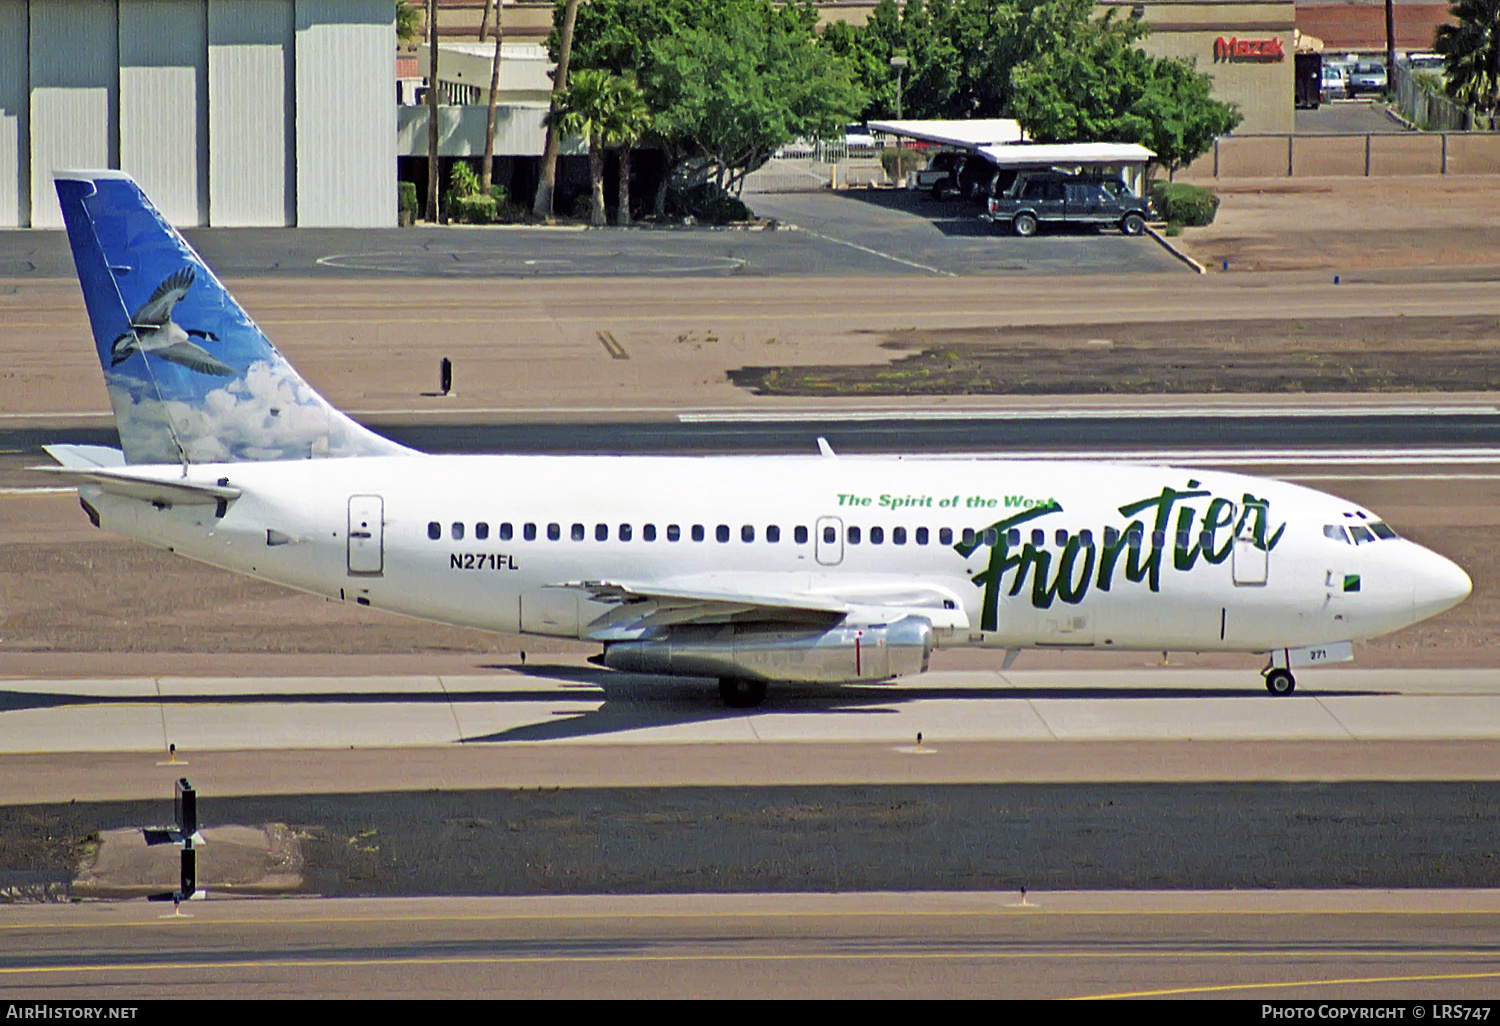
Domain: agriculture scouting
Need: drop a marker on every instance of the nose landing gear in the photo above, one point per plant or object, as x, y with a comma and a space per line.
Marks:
1280, 682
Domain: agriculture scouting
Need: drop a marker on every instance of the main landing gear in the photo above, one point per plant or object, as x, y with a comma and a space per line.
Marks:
1279, 681
739, 693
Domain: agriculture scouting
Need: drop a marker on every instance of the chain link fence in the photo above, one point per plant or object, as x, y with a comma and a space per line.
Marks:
1432, 112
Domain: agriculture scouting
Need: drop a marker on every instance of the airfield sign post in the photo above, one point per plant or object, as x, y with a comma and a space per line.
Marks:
184, 833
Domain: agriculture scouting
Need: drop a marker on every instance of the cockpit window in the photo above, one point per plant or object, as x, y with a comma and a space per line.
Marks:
1359, 534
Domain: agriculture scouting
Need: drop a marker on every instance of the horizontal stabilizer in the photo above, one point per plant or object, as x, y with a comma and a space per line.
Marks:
132, 484
85, 455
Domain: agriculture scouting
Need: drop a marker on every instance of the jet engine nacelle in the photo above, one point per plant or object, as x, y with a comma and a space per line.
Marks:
835, 656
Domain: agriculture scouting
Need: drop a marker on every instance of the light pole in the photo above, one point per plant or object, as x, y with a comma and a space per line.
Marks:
898, 62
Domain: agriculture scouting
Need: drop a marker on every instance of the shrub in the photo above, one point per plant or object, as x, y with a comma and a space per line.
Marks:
506, 212
406, 203
1184, 204
472, 209
463, 180
707, 204
898, 163
583, 206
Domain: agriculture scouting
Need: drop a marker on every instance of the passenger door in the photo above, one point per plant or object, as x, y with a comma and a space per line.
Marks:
1053, 205
1085, 202
366, 535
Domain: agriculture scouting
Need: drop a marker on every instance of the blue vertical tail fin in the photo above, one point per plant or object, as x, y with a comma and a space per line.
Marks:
190, 376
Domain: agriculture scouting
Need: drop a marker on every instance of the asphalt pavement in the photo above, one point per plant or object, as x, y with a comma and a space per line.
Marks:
910, 229
860, 232
1324, 946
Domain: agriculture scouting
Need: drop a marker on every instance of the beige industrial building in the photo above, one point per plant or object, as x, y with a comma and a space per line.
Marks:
228, 112
1247, 47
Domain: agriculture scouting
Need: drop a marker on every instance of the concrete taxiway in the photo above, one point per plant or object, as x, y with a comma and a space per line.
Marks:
1274, 946
569, 704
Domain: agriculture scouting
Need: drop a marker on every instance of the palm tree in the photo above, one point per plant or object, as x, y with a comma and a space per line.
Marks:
629, 119
584, 109
487, 169
1471, 53
543, 205
432, 111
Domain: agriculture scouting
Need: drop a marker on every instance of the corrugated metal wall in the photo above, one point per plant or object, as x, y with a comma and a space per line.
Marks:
15, 114
164, 104
75, 70
252, 173
228, 112
346, 138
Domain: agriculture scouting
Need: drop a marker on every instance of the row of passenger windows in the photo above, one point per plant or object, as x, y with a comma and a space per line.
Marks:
1358, 534
1135, 538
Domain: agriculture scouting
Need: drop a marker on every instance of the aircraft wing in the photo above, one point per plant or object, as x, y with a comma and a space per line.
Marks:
765, 599
642, 606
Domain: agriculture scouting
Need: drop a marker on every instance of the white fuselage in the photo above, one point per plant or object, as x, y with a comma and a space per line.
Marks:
1233, 563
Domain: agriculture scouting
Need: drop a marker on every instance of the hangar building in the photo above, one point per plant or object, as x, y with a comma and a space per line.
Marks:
228, 112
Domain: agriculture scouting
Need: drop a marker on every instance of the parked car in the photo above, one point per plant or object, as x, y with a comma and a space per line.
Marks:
1052, 197
940, 176
859, 137
1432, 63
1367, 77
1335, 83
959, 174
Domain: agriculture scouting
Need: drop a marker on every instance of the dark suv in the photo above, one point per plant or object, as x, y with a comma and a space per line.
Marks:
1055, 197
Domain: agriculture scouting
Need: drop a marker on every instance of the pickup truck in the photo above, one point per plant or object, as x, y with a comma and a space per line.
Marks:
1055, 198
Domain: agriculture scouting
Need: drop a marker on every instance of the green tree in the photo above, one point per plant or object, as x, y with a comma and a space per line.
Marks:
408, 23
930, 82
1471, 54
585, 109
726, 81
1103, 87
728, 93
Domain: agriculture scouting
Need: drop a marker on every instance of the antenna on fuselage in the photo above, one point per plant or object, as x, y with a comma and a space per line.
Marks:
824, 447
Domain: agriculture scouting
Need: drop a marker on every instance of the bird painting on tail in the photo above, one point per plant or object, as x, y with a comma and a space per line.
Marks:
152, 331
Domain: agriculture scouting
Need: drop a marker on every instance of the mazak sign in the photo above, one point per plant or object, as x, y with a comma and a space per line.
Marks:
1263, 50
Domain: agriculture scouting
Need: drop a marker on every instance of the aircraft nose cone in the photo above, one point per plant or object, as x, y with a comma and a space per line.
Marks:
1440, 585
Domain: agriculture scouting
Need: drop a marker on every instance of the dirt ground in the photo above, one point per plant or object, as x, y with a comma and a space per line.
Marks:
1352, 225
777, 839
1301, 355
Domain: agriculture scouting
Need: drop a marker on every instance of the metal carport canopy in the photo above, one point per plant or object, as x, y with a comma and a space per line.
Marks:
1051, 154
968, 135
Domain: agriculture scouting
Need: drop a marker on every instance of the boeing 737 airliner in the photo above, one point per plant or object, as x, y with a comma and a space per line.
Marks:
751, 570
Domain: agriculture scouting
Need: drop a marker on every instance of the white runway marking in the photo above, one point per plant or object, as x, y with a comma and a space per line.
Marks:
1075, 413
